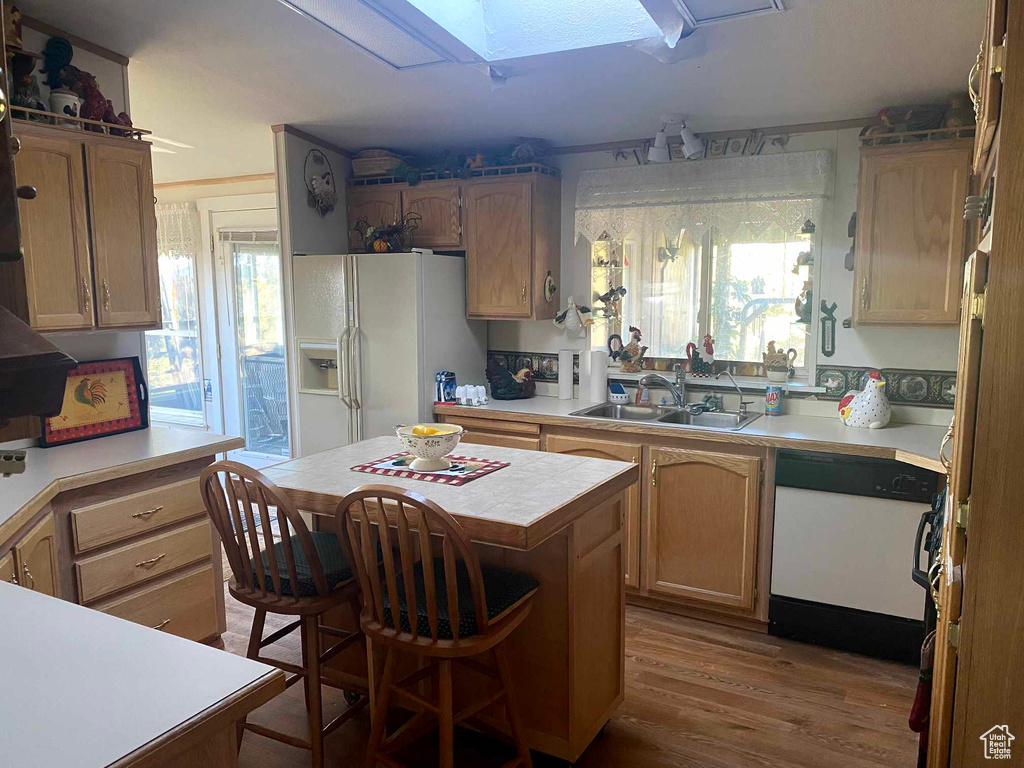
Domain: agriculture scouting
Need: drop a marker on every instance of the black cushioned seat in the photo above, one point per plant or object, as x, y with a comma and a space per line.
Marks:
332, 558
502, 589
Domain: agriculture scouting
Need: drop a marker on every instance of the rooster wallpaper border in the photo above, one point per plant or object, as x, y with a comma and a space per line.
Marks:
101, 398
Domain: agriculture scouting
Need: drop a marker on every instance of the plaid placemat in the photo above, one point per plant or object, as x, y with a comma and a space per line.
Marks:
463, 469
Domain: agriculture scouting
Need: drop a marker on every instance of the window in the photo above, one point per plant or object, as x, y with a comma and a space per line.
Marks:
718, 247
173, 354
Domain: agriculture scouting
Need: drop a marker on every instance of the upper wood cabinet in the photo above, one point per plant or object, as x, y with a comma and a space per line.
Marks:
988, 80
123, 218
512, 246
910, 232
35, 559
375, 204
508, 226
440, 206
90, 233
7, 572
55, 233
597, 448
702, 526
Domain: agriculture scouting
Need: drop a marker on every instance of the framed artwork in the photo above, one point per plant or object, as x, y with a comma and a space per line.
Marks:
101, 397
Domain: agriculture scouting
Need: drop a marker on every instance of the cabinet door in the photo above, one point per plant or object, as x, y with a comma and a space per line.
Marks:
910, 233
35, 558
55, 233
598, 448
123, 219
702, 526
440, 205
498, 249
376, 206
7, 574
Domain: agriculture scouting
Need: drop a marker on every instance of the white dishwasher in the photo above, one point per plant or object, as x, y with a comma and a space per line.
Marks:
845, 530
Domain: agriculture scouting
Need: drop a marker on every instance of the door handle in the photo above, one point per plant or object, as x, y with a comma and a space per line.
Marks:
106, 295
30, 579
343, 380
654, 472
524, 292
151, 561
864, 294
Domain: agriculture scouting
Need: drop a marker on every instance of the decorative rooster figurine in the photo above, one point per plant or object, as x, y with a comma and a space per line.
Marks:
505, 386
869, 408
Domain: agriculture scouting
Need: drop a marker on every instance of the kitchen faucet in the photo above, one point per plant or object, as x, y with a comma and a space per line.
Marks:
743, 403
677, 390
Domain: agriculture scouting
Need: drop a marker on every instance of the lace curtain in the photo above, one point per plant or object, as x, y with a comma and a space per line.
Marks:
177, 229
757, 197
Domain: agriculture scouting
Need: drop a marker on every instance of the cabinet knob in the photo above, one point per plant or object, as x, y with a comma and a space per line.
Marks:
15, 145
27, 193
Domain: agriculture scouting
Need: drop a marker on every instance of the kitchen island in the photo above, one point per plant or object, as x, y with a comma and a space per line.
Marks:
559, 518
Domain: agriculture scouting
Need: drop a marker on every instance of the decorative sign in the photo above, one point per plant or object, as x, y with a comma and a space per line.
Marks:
321, 192
101, 397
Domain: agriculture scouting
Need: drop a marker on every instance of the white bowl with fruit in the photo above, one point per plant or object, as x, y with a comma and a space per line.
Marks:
430, 444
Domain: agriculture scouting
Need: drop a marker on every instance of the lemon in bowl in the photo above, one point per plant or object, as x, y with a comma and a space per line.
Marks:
430, 444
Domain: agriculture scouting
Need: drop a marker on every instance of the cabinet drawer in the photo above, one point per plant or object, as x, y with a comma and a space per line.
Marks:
493, 425
502, 441
138, 563
186, 606
111, 521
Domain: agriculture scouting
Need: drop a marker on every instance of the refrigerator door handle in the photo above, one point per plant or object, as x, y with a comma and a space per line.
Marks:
343, 381
354, 367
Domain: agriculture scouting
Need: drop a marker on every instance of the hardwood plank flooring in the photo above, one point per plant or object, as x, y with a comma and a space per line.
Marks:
698, 695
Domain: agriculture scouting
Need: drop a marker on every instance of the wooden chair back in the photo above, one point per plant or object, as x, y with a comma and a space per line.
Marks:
407, 531
229, 490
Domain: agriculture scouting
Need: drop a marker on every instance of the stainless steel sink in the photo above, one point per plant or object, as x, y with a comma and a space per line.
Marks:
618, 412
709, 419
667, 415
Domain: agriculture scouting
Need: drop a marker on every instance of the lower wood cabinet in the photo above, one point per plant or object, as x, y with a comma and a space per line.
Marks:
614, 451
35, 558
184, 606
503, 434
702, 526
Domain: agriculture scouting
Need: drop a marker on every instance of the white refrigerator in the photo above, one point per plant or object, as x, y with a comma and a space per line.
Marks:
394, 320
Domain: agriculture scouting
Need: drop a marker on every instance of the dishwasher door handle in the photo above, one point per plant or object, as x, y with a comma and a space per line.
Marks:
919, 576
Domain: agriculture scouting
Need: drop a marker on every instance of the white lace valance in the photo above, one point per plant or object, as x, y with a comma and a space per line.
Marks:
739, 196
177, 229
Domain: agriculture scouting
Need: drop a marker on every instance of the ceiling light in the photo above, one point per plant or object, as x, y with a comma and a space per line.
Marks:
692, 146
658, 153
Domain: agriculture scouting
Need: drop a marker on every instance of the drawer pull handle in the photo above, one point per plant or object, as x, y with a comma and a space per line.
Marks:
147, 513
151, 561
162, 624
31, 581
654, 473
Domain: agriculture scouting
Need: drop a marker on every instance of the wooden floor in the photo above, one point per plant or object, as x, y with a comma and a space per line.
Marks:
697, 696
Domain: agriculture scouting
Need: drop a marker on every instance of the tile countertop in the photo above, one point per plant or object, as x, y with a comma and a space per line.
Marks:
88, 689
916, 444
517, 506
49, 471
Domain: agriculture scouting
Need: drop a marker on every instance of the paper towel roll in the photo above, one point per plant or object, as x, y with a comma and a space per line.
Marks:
598, 376
584, 390
565, 374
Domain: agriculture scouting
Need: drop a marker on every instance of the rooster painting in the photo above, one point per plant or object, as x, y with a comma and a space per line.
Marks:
506, 386
91, 392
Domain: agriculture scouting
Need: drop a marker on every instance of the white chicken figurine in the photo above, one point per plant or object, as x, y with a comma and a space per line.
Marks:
869, 408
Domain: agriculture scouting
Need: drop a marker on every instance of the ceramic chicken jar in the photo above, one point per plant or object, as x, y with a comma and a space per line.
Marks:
869, 408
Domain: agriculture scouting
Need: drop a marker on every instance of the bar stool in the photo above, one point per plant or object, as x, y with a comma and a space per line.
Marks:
449, 609
305, 574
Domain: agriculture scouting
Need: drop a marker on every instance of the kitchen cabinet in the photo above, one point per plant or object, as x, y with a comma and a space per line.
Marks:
440, 206
122, 216
35, 558
702, 526
7, 573
503, 434
55, 233
909, 252
90, 233
374, 204
599, 448
512, 242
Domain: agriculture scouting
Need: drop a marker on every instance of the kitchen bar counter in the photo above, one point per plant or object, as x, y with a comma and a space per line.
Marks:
559, 518
916, 444
50, 471
89, 690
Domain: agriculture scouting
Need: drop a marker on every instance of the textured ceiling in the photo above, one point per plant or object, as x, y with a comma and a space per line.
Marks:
216, 74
